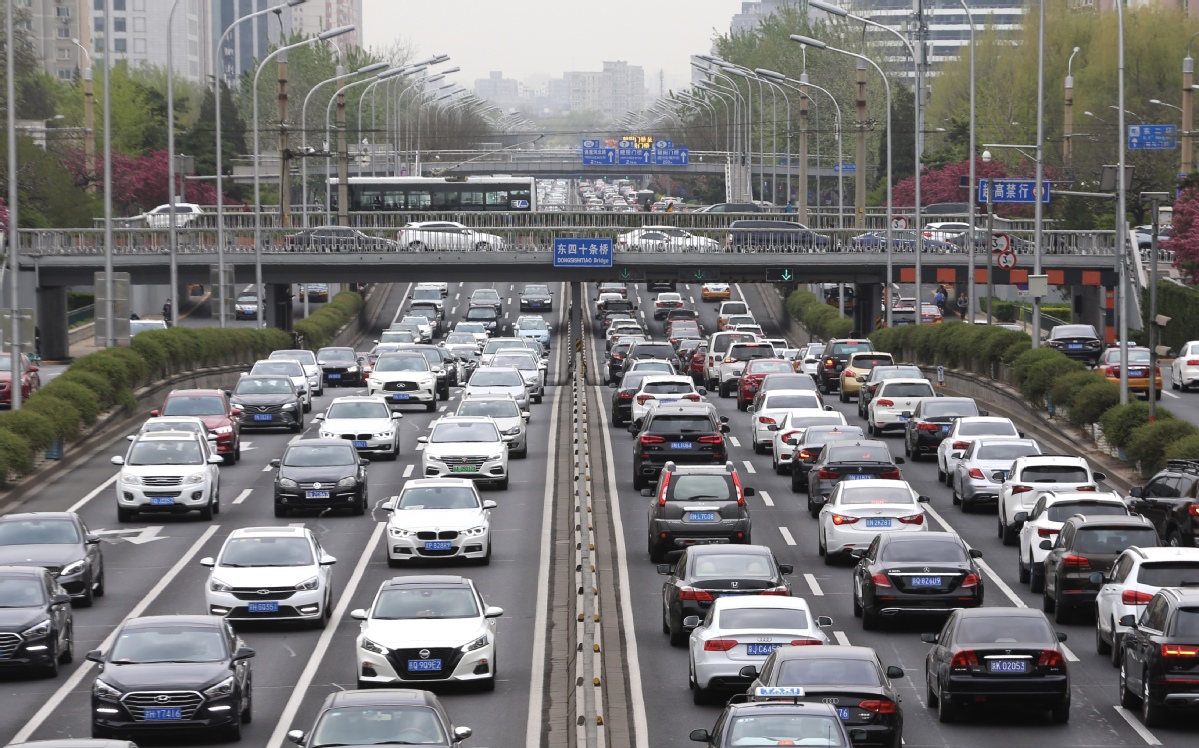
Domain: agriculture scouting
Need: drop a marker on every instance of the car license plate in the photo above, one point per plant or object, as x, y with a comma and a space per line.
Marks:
1009, 666
271, 607
701, 516
437, 545
360, 445
883, 522
464, 469
680, 445
335, 376
424, 666
1074, 346
161, 501
945, 429
401, 396
263, 417
926, 581
158, 713
904, 419
858, 476
1136, 372
760, 650
842, 712
316, 494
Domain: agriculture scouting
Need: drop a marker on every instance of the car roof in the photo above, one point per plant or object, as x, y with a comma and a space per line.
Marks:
719, 548
933, 536
39, 515
442, 580
318, 443
905, 380
878, 483
685, 409
380, 697
1165, 553
185, 620
998, 612
1096, 496
418, 482
270, 532
725, 602
358, 399
194, 392
167, 436
1183, 596
843, 652
1131, 520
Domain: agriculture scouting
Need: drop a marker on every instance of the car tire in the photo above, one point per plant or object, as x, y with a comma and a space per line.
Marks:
206, 513
431, 405
1048, 604
1128, 699
947, 713
232, 733
1153, 714
280, 511
1117, 653
870, 619
297, 427
1011, 535
1102, 646
101, 733
99, 584
247, 712
940, 473
1022, 571
956, 497
759, 449
842, 396
930, 696
657, 554
639, 482
779, 468
1174, 539
50, 670
307, 408
742, 406
230, 459
1060, 714
522, 454
678, 635
857, 605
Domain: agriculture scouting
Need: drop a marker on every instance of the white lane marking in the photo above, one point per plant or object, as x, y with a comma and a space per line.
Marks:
457, 296
295, 524
986, 569
749, 466
1169, 394
400, 308
841, 638
1068, 654
1132, 721
511, 286
322, 644
243, 496
787, 536
692, 299
408, 470
766, 498
71, 683
811, 580
93, 493
441, 409
267, 468
733, 440
509, 300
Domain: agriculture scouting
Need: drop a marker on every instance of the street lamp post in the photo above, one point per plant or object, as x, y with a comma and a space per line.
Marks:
1188, 80
89, 112
13, 199
990, 240
110, 306
1155, 199
972, 178
172, 231
1068, 121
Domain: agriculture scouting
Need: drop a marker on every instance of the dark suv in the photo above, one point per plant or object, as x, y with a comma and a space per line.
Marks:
649, 349
756, 235
1084, 546
1160, 671
931, 421
1079, 342
833, 360
683, 434
696, 505
1171, 502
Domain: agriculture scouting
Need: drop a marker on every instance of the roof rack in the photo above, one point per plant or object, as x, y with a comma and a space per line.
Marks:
1186, 465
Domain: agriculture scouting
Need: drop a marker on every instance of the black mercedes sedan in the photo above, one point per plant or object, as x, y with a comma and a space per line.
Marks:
268, 401
37, 628
320, 474
60, 543
340, 367
916, 573
930, 423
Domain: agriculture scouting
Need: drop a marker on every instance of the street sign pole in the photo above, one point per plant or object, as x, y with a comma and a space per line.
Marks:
990, 255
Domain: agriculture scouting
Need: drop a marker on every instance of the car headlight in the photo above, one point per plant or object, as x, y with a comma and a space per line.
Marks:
347, 481
217, 585
496, 456
195, 478
37, 630
223, 430
130, 479
289, 406
384, 435
328, 435
309, 584
372, 382
511, 432
73, 568
351, 369
288, 483
475, 532
370, 646
224, 688
102, 690
479, 643
399, 532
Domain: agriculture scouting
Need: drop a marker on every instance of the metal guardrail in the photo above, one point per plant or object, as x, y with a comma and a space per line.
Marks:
82, 314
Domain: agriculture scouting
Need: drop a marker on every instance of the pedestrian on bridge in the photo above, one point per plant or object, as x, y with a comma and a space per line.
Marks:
963, 305
166, 312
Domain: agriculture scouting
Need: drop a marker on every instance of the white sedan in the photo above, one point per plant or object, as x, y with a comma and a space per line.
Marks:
438, 518
894, 398
858, 510
659, 389
792, 427
1184, 372
664, 239
965, 431
744, 631
770, 408
368, 422
1045, 521
446, 235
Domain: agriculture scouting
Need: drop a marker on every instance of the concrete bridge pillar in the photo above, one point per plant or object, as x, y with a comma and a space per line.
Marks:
51, 317
868, 299
278, 305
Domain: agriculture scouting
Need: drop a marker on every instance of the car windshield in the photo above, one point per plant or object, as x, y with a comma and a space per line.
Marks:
492, 408
168, 644
935, 408
399, 336
438, 497
921, 551
844, 349
359, 409
788, 382
414, 318
804, 400
987, 428
537, 290
1134, 357
1186, 623
701, 488
194, 405
653, 350
1064, 510
378, 725
460, 338
135, 326
427, 312
1005, 451
668, 388
522, 362
300, 357
464, 351
496, 378
471, 431
789, 619
732, 308
785, 729
720, 565
814, 438
426, 293
1169, 574
425, 602
499, 344
1073, 331
165, 452
745, 352
827, 672
153, 425
654, 366
876, 495
471, 327
1004, 630
336, 354
768, 367
286, 368
485, 294
401, 363
1113, 540
266, 551
855, 453
1054, 474
869, 362
533, 323
39, 532
247, 299
325, 455
803, 422
21, 592
682, 423
908, 389
633, 379
263, 386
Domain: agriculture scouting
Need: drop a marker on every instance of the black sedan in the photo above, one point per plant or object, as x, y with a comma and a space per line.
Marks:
916, 573
536, 298
850, 678
340, 367
37, 629
808, 447
789, 722
859, 459
622, 395
930, 423
705, 572
996, 657
268, 402
60, 543
1079, 342
320, 474
172, 674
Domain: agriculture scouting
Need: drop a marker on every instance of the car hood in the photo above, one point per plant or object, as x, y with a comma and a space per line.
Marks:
464, 449
16, 620
263, 576
213, 422
401, 376
516, 391
263, 399
424, 632
163, 470
330, 474
167, 676
357, 425
39, 555
437, 519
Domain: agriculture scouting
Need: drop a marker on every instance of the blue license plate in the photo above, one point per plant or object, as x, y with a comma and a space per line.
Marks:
424, 666
926, 581
158, 713
316, 494
842, 712
335, 376
1075, 346
680, 445
360, 445
437, 545
701, 516
1009, 666
858, 476
945, 429
401, 396
760, 650
904, 419
263, 417
161, 501
271, 607
886, 522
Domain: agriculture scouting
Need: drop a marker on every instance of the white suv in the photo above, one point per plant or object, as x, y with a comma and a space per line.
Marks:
270, 573
404, 377
732, 365
964, 431
307, 360
1031, 476
1136, 575
1045, 521
438, 518
368, 422
894, 399
465, 447
1184, 372
171, 472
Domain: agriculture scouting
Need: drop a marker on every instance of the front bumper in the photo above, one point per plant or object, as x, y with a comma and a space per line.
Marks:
392, 667
30, 653
300, 605
413, 396
183, 498
297, 498
489, 470
411, 547
114, 716
281, 418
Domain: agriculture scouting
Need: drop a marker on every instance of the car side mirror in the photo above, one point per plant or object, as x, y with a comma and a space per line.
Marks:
1097, 578
131, 437
664, 569
327, 560
92, 540
749, 671
215, 459
1020, 518
235, 412
1128, 620
276, 462
61, 598
1020, 434
363, 462
611, 385
319, 417
296, 736
929, 637
786, 569
117, 460
493, 611
97, 656
998, 476
1098, 476
824, 622
243, 653
702, 390
828, 407
861, 379
422, 440
1046, 545
900, 460
750, 408
1137, 492
772, 427
208, 561
462, 733
1061, 636
984, 413
647, 492
397, 415
924, 499
857, 552
906, 414
699, 736
894, 671
748, 491
154, 413
358, 614
691, 622
975, 553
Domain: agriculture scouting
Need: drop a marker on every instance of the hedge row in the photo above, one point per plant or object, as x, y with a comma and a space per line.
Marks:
322, 326
976, 348
821, 320
106, 379
1181, 305
1010, 311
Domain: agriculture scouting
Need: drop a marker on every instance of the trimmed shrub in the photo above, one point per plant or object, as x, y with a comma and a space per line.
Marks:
15, 454
320, 328
1119, 422
103, 389
817, 317
1147, 444
798, 303
839, 327
62, 415
1065, 390
1186, 448
35, 428
85, 401
1092, 401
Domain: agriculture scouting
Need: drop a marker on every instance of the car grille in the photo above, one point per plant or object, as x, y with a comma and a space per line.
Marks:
335, 369
476, 461
165, 494
449, 657
356, 437
256, 593
325, 486
399, 386
163, 480
262, 408
137, 703
8, 645
442, 535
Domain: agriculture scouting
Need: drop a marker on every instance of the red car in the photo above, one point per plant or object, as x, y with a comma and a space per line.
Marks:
755, 371
695, 365
30, 379
213, 408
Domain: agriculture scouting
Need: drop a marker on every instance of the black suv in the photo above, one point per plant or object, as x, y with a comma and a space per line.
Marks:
622, 396
931, 421
340, 366
696, 505
683, 434
1084, 546
37, 629
1171, 502
650, 349
268, 401
1160, 670
1079, 342
833, 360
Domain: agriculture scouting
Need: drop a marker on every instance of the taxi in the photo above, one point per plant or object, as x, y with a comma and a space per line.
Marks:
716, 292
1138, 370
857, 368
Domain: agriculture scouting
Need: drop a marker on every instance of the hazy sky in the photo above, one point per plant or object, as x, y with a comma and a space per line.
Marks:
523, 37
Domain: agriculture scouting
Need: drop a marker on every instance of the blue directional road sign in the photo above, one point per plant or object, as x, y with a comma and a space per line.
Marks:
845, 168
595, 154
1152, 137
628, 154
582, 253
663, 144
1011, 191
672, 157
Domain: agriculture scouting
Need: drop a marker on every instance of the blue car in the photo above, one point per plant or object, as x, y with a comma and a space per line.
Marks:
532, 327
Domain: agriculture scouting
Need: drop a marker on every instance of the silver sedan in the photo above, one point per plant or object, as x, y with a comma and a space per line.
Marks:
971, 478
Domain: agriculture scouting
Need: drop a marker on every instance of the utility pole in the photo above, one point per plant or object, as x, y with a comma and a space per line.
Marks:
343, 165
802, 199
89, 126
1188, 79
859, 183
284, 147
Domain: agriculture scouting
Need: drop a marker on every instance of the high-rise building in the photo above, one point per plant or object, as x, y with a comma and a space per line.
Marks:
251, 40
501, 91
52, 24
946, 27
753, 13
315, 16
137, 35
617, 89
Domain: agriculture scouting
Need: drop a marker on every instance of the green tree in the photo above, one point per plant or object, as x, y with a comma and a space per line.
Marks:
200, 140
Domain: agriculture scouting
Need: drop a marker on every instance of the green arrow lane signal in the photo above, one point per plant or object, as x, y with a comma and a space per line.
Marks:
779, 275
624, 273
699, 274
787, 274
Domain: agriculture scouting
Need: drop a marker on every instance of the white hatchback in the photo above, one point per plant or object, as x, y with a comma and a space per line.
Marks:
1045, 521
1031, 476
438, 518
792, 427
858, 510
770, 408
894, 398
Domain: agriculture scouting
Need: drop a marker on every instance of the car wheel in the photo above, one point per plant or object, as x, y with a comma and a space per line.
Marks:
956, 497
86, 601
206, 513
1117, 653
1021, 570
1048, 604
678, 635
940, 472
742, 406
232, 733
759, 449
857, 605
870, 619
946, 712
1060, 714
1010, 535
1152, 713
50, 670
230, 459
100, 583
101, 733
280, 511
779, 468
930, 696
297, 427
67, 655
1174, 539
657, 554
665, 619
842, 397
638, 482
1128, 699
1036, 578
431, 406
307, 407
1101, 645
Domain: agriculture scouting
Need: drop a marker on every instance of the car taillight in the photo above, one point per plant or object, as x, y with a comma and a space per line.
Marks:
879, 706
1047, 532
652, 439
1085, 488
884, 402
976, 474
765, 419
804, 454
730, 360
927, 427
643, 399
1076, 562
691, 593
1135, 597
880, 580
719, 645
624, 396
965, 658
1180, 650
786, 437
1193, 510
826, 474
892, 474
737, 488
780, 591
971, 580
665, 485
693, 398
618, 356
841, 519
1051, 658
912, 519
805, 642
1111, 371
713, 439
848, 373
1021, 489
1193, 362
961, 445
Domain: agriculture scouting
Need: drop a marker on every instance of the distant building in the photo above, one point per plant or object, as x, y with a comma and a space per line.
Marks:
617, 89
753, 13
315, 16
501, 91
52, 25
947, 29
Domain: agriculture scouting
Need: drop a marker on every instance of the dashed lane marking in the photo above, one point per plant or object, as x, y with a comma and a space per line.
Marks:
787, 536
766, 498
749, 466
841, 638
408, 470
93, 493
733, 440
815, 585
243, 496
